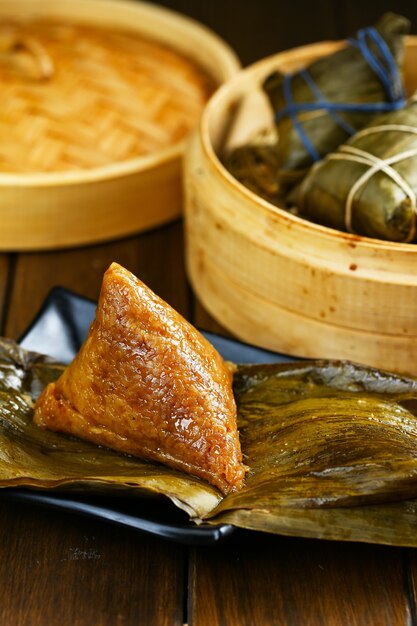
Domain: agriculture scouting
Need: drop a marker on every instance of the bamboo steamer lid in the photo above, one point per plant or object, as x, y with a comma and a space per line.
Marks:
276, 280
98, 98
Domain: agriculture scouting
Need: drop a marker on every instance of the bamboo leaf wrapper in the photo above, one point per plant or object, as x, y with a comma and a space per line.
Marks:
308, 126
331, 447
369, 185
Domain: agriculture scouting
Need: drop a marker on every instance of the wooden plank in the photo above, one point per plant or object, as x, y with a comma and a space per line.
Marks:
410, 566
203, 319
4, 283
155, 257
270, 580
57, 568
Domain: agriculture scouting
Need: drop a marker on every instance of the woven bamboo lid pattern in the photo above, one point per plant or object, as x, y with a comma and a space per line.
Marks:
76, 97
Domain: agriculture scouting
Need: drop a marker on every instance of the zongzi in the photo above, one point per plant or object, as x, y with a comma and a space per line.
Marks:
369, 185
318, 108
145, 382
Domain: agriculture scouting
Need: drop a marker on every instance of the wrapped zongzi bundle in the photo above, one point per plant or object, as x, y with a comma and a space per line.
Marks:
369, 185
318, 108
147, 383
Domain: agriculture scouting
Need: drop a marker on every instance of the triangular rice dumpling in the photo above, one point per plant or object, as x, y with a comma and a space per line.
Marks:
145, 382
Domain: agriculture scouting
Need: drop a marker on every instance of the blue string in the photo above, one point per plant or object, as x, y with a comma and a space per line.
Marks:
293, 115
388, 75
386, 71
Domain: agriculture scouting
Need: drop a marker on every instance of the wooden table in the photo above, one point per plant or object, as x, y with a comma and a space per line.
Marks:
59, 569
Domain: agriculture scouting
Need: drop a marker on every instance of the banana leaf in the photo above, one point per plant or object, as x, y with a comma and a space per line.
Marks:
331, 447
344, 77
380, 207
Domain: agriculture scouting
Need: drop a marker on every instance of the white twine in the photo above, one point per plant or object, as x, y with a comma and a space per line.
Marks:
350, 153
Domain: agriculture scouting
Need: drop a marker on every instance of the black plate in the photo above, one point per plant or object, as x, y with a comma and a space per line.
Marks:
59, 330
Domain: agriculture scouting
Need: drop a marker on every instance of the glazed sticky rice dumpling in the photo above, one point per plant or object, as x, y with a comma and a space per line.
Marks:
147, 383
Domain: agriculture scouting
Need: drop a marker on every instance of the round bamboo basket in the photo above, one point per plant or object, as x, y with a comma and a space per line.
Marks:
53, 209
279, 281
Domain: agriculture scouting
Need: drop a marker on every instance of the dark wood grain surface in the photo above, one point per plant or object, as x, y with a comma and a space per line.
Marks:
62, 570
270, 580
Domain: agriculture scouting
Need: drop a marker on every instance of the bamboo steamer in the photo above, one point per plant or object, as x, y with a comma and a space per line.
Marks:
279, 281
53, 209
